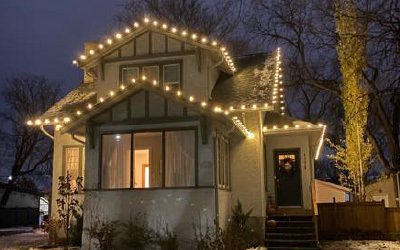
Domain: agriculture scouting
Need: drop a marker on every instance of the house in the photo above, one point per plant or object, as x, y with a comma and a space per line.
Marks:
22, 208
168, 123
328, 192
385, 188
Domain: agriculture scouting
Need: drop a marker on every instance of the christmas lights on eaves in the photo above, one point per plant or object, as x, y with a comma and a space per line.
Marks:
147, 22
277, 91
59, 122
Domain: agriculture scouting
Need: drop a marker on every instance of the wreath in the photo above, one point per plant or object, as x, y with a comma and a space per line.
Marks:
287, 166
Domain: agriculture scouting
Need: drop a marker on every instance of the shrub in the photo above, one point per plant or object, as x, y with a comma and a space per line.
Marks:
104, 232
51, 227
208, 240
167, 240
238, 235
77, 228
136, 234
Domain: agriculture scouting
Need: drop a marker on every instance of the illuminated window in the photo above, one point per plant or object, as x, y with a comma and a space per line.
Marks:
72, 162
172, 76
128, 74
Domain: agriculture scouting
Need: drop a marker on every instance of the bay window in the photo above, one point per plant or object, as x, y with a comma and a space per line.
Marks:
149, 159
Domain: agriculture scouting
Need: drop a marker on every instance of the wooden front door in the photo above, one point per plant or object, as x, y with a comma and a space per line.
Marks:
288, 178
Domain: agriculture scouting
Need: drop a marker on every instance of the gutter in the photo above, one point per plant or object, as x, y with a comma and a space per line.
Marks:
77, 140
45, 132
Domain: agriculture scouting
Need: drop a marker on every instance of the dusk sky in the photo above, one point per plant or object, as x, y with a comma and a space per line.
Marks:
44, 36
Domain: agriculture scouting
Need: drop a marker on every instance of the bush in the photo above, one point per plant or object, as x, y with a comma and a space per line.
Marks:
208, 240
104, 232
167, 240
136, 234
77, 228
51, 227
238, 235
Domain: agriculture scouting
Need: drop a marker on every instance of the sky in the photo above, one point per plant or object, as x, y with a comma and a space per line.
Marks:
44, 36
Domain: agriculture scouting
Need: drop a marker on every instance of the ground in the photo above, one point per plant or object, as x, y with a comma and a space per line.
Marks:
21, 241
360, 245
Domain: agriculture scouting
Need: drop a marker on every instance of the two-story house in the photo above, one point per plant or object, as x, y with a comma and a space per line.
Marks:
168, 123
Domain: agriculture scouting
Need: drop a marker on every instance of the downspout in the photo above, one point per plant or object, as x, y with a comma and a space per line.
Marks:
46, 133
77, 140
209, 74
398, 188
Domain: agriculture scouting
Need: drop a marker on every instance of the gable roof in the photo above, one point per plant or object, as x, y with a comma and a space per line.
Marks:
121, 38
251, 84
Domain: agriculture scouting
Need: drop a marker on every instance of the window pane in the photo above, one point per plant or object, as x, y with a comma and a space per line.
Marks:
151, 73
116, 161
72, 164
128, 74
172, 76
148, 160
180, 158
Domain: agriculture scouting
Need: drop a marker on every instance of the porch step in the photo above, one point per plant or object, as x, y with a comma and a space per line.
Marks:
291, 233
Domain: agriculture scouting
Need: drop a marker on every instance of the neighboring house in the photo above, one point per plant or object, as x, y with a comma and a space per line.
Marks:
169, 124
327, 192
22, 208
385, 188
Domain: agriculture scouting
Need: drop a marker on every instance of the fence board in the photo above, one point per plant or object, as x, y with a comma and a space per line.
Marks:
368, 220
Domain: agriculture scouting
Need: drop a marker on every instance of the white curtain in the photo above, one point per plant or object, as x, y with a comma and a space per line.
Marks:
116, 161
180, 158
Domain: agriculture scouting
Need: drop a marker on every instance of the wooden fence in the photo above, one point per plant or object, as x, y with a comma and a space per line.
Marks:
13, 217
358, 220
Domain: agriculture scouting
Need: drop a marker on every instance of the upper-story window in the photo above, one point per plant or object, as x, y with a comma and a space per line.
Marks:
129, 73
172, 76
169, 72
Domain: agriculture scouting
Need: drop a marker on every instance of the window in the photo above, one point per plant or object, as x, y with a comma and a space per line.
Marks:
72, 163
116, 161
128, 74
224, 170
151, 73
180, 158
172, 76
160, 159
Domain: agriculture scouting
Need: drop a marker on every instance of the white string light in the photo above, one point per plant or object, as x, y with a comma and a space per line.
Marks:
204, 40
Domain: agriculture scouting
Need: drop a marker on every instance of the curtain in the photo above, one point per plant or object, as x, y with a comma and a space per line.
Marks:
179, 158
116, 161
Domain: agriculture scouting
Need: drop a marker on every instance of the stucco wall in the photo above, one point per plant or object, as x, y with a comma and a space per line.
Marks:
290, 141
386, 186
180, 209
196, 82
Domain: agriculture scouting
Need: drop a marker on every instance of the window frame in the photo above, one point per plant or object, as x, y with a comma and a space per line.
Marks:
122, 75
80, 159
160, 130
160, 65
163, 76
223, 181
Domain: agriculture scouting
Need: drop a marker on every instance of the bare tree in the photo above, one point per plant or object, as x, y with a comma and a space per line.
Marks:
25, 149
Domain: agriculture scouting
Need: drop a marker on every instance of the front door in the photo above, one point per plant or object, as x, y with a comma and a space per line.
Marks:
288, 178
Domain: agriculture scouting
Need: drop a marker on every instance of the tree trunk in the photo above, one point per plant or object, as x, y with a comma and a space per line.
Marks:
7, 193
